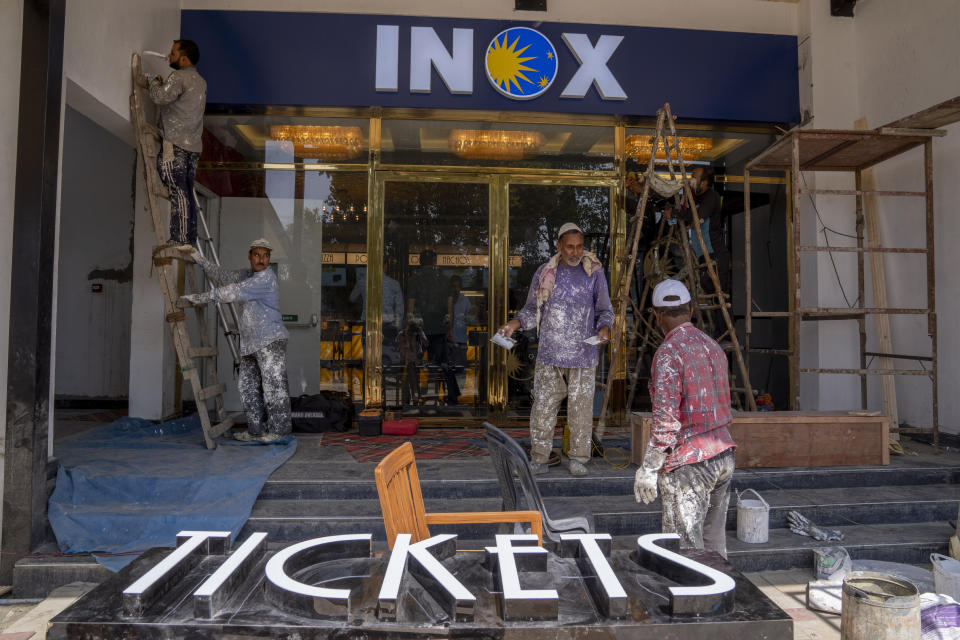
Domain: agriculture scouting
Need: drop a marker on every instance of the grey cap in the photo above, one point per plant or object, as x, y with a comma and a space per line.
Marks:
261, 243
567, 227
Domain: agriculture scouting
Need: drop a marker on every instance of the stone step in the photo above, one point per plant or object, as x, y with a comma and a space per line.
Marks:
292, 520
894, 542
474, 478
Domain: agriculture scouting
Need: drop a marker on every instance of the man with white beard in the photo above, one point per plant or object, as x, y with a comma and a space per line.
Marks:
568, 302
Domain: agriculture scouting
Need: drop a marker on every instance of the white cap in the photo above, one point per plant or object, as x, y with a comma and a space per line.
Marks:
567, 227
261, 243
670, 293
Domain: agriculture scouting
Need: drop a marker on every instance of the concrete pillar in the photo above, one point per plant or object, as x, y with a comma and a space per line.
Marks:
33, 256
152, 361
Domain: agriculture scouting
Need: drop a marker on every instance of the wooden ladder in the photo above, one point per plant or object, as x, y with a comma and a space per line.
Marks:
643, 328
192, 359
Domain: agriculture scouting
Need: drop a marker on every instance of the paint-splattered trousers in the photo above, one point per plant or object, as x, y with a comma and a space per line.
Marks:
263, 389
694, 500
178, 168
550, 386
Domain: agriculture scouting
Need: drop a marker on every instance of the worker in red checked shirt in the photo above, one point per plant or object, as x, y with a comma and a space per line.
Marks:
690, 453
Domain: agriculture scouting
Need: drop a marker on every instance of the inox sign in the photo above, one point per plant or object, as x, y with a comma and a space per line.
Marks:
520, 63
510, 560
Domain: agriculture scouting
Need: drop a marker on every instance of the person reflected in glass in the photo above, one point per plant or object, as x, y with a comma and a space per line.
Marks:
411, 343
458, 309
428, 293
392, 310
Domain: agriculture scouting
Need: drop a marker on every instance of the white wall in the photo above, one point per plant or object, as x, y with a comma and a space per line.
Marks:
752, 16
100, 37
96, 234
892, 59
908, 58
828, 67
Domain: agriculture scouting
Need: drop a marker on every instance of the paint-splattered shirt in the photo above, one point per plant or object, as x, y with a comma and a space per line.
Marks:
577, 308
690, 392
182, 99
260, 319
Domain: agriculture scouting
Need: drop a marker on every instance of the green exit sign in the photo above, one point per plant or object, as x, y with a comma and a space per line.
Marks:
290, 317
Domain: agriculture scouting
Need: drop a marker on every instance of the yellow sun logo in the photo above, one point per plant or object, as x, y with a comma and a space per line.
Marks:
506, 64
521, 63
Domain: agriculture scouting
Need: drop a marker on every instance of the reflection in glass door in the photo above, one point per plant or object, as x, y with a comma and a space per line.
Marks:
536, 213
434, 295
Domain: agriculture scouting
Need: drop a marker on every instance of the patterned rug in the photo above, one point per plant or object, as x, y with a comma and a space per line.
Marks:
428, 444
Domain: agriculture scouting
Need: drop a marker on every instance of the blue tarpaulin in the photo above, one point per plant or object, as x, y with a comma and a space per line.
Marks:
132, 485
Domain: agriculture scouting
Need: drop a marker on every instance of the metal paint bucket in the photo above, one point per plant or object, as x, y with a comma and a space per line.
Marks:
946, 575
753, 519
878, 605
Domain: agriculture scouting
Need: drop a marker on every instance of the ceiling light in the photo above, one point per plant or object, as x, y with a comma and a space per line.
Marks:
638, 147
329, 143
473, 144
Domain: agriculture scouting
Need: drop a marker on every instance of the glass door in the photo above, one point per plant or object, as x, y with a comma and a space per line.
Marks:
428, 290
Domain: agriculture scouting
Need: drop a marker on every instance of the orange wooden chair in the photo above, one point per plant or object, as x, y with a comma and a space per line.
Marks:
401, 502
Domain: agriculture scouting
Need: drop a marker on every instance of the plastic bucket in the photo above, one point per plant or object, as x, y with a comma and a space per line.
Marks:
753, 518
946, 575
877, 605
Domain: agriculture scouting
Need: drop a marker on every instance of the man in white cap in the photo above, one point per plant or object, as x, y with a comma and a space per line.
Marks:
690, 453
568, 303
262, 377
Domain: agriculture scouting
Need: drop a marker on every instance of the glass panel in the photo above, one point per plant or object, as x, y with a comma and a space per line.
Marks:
536, 213
316, 222
436, 262
260, 138
497, 144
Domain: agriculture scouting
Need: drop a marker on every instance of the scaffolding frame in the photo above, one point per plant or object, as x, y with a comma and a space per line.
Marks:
851, 151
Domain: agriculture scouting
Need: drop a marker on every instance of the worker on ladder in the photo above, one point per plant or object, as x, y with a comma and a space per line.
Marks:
263, 339
182, 98
710, 210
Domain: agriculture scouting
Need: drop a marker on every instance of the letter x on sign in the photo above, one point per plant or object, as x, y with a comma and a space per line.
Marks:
593, 67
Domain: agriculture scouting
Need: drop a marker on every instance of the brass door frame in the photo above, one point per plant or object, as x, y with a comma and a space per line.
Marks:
373, 358
497, 362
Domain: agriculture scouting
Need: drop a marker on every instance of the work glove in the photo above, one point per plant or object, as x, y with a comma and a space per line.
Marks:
802, 525
189, 255
191, 300
645, 483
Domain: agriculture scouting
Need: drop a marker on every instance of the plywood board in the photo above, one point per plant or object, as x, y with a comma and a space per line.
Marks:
794, 439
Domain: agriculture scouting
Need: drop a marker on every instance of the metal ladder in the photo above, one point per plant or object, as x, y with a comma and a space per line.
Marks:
191, 358
643, 327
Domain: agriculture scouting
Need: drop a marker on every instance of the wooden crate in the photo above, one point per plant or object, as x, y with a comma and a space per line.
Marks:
794, 438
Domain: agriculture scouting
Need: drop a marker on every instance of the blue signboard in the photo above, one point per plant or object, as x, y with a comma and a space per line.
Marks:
354, 60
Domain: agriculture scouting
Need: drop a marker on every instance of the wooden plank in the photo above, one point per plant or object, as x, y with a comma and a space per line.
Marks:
793, 439
939, 115
211, 391
878, 281
639, 436
226, 424
203, 352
